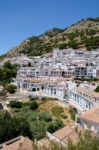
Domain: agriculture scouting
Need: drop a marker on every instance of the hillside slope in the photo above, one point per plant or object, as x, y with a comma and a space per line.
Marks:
83, 34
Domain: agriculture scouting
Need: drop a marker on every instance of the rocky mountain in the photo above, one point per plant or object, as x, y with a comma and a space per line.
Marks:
83, 34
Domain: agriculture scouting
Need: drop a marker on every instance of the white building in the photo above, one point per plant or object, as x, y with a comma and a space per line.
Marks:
55, 91
91, 72
83, 99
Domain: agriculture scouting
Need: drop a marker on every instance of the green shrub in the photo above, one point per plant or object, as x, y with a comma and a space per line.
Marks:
57, 111
97, 89
32, 116
38, 129
15, 104
72, 113
11, 88
7, 72
45, 116
73, 44
33, 105
55, 125
62, 46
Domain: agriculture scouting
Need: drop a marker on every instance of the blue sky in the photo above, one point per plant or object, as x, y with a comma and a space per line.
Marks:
20, 19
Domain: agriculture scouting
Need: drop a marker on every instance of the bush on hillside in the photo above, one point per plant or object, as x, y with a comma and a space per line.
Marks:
45, 116
33, 105
55, 125
15, 104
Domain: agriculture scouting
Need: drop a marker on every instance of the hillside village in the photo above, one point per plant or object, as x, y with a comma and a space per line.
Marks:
63, 74
70, 78
49, 90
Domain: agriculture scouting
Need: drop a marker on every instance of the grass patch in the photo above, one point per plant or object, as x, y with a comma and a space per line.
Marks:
64, 116
57, 111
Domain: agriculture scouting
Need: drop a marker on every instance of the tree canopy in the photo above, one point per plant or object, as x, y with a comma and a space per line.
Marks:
7, 72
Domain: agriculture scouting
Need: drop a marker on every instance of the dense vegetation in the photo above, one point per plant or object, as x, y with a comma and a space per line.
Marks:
34, 124
11, 127
15, 104
76, 39
33, 105
26, 119
26, 123
7, 72
55, 125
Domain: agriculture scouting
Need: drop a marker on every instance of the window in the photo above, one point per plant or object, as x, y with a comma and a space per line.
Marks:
55, 92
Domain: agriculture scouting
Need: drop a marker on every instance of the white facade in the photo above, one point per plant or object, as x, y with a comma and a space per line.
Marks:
55, 91
91, 72
82, 100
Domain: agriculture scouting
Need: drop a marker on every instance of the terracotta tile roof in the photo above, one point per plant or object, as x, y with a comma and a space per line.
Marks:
18, 143
87, 91
91, 115
72, 136
68, 132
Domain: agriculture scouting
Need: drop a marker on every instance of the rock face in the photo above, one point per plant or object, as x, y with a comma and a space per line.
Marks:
83, 34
